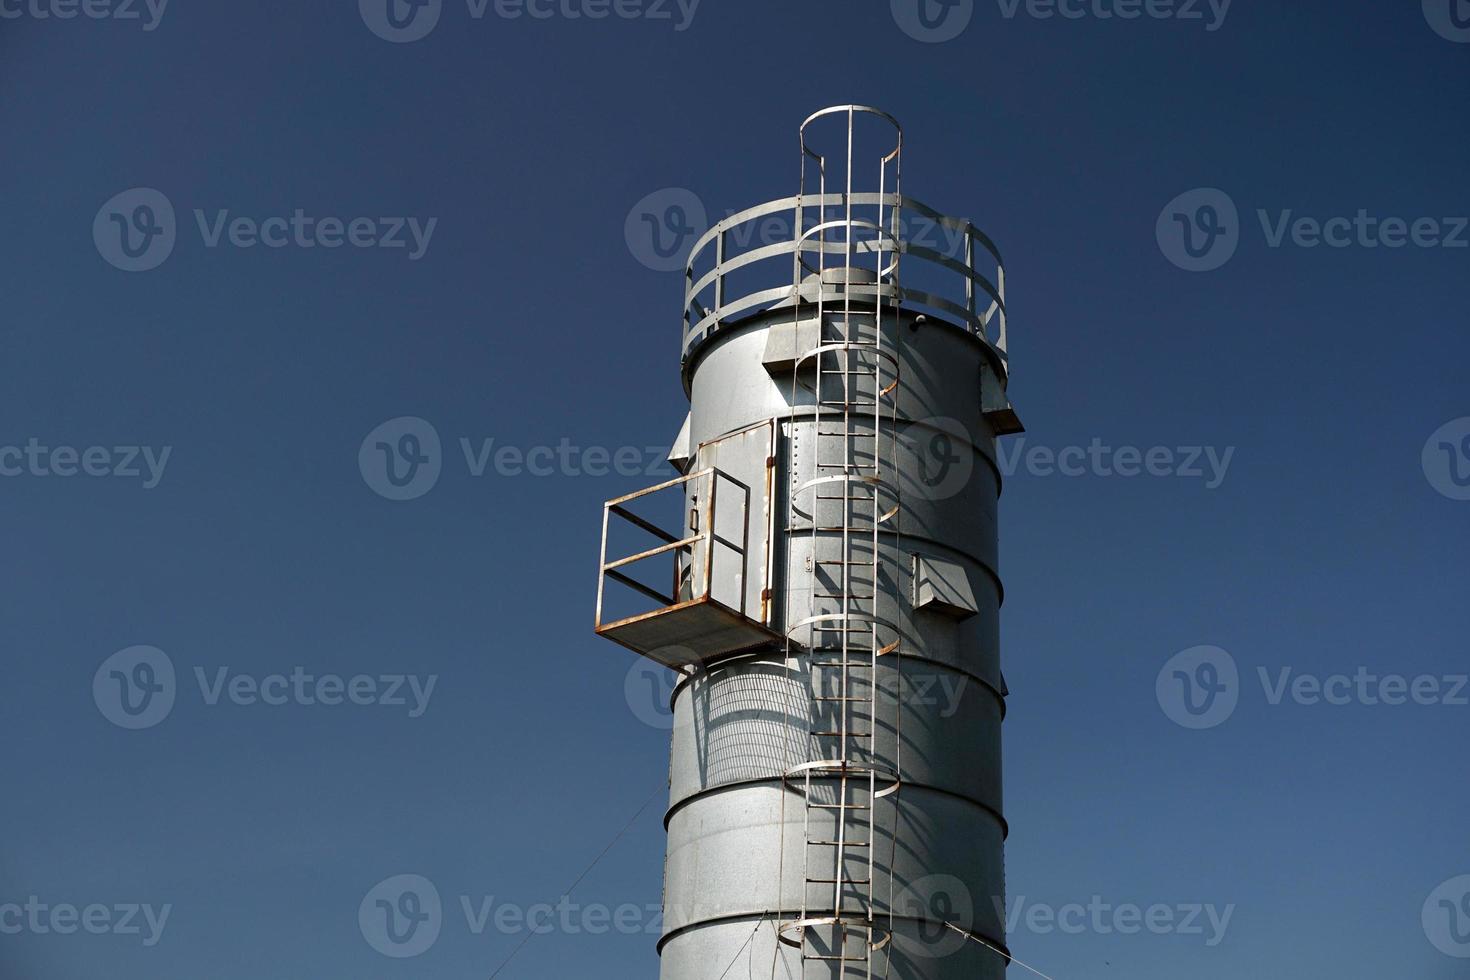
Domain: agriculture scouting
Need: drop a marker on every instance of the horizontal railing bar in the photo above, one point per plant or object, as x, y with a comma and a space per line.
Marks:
648, 526
729, 544
899, 202
660, 486
661, 549
652, 593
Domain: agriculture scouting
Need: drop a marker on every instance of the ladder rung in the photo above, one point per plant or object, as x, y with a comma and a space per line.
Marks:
839, 806
844, 734
836, 959
832, 843
839, 881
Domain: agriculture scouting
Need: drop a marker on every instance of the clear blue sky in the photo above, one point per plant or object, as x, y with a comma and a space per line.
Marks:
528, 320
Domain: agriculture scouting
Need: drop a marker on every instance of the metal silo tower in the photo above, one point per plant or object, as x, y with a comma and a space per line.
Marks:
830, 592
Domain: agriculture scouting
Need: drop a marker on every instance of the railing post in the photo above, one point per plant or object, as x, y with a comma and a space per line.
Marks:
719, 274
970, 277
709, 533
1000, 279
688, 300
744, 543
602, 563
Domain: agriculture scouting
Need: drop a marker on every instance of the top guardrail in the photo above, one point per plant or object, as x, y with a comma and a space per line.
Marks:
967, 297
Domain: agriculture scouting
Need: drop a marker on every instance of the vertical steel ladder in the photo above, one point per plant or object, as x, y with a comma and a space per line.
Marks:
850, 498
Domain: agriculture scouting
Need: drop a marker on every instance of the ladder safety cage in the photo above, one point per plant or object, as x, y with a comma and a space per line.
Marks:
850, 501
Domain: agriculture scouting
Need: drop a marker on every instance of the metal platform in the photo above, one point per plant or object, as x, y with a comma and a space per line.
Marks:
688, 634
690, 626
